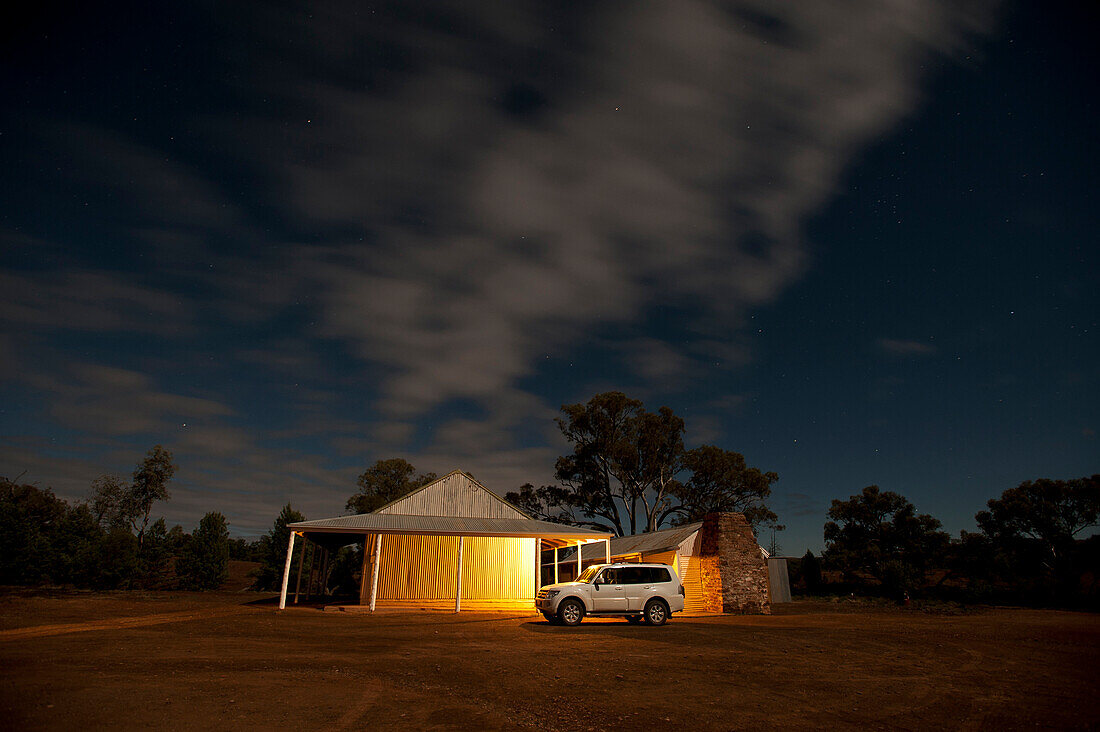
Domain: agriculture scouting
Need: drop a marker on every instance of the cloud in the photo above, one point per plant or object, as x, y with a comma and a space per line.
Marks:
670, 164
655, 360
472, 205
445, 197
100, 399
901, 347
87, 300
158, 191
797, 504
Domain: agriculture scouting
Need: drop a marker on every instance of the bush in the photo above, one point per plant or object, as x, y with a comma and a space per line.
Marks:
204, 564
273, 550
30, 520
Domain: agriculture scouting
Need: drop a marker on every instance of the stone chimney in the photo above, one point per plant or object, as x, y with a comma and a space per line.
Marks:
733, 573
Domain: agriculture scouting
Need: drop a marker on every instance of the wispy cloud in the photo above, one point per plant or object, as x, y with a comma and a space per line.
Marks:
443, 205
106, 400
674, 171
90, 301
902, 347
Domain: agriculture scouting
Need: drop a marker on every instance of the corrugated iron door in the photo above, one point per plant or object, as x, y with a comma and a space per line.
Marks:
414, 567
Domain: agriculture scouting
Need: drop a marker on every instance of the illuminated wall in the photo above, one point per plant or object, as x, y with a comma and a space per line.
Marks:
423, 568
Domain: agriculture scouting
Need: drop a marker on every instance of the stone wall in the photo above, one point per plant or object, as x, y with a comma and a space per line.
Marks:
732, 572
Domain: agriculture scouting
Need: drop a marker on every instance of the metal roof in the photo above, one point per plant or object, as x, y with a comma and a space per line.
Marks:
442, 480
654, 541
398, 523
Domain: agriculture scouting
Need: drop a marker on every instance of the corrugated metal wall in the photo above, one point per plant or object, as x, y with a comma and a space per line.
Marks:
690, 575
668, 558
779, 585
693, 588
454, 495
414, 567
423, 568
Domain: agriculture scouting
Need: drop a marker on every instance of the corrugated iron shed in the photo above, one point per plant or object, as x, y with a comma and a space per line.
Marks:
450, 538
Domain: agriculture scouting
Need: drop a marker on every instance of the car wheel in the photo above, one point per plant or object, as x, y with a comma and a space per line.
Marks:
570, 612
656, 612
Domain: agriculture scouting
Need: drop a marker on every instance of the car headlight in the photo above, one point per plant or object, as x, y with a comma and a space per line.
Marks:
552, 593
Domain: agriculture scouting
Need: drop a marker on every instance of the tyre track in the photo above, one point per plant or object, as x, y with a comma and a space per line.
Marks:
139, 621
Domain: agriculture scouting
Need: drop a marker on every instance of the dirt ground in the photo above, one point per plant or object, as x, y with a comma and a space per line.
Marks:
231, 661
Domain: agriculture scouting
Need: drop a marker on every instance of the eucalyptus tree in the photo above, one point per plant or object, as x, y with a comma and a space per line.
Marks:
386, 481
624, 461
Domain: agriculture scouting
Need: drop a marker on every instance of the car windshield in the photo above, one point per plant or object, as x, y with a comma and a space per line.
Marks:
588, 574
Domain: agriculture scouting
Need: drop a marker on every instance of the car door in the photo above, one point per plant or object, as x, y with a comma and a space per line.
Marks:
608, 595
642, 583
636, 585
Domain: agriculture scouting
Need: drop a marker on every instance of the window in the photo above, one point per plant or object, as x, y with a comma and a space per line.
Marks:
658, 574
609, 577
643, 575
588, 574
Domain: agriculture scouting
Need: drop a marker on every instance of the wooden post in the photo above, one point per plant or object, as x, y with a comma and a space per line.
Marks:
579, 545
314, 556
286, 571
538, 572
374, 571
458, 578
607, 551
312, 568
557, 549
301, 559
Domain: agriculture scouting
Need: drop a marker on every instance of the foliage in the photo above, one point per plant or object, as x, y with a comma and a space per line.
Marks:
273, 549
878, 533
625, 468
810, 570
1049, 513
45, 541
384, 482
107, 500
115, 504
624, 463
30, 523
548, 503
177, 539
79, 550
150, 485
204, 564
245, 550
119, 562
1031, 532
154, 559
722, 481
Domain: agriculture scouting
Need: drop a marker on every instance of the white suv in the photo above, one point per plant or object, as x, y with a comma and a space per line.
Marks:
649, 592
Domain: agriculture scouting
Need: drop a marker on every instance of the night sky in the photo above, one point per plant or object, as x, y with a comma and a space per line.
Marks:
854, 241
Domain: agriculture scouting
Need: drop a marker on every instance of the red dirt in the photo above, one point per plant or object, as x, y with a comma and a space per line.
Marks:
191, 661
